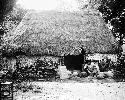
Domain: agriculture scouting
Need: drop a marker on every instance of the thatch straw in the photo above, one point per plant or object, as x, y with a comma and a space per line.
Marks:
59, 33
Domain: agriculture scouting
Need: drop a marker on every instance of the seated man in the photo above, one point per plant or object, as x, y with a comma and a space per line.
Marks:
91, 68
96, 70
87, 67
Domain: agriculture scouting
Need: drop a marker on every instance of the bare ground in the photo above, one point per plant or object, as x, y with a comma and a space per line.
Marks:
74, 89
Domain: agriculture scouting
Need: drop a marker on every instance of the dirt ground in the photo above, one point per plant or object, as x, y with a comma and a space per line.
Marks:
74, 89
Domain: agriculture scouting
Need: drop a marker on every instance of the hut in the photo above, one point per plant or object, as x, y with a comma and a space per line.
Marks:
59, 33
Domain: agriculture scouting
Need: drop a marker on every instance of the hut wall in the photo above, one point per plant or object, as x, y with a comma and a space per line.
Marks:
97, 56
10, 63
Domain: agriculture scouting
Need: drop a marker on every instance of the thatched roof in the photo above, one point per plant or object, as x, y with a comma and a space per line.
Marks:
59, 33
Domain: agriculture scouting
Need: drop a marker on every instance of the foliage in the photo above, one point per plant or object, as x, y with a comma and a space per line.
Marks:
113, 12
12, 19
10, 16
5, 7
120, 69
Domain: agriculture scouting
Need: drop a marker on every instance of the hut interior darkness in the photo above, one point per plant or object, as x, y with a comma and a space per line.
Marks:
74, 62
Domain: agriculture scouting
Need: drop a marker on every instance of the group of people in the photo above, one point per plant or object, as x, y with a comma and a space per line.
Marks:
91, 68
97, 68
94, 68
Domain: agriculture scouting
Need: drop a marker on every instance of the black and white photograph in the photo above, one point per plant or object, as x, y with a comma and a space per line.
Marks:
62, 49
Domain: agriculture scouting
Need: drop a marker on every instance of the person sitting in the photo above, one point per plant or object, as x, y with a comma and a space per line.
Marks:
86, 67
96, 70
92, 69
105, 65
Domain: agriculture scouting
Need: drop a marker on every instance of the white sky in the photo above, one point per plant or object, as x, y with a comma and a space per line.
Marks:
49, 4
